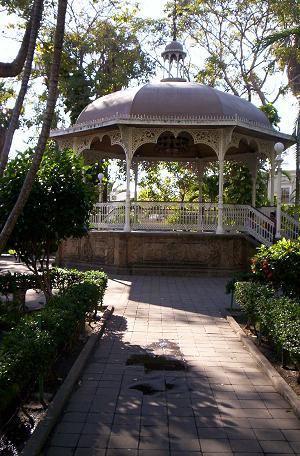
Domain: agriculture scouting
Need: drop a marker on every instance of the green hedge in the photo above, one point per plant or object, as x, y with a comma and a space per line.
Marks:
38, 338
276, 318
64, 278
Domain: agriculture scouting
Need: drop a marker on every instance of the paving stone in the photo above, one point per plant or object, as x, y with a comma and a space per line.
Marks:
212, 433
59, 451
185, 444
93, 441
240, 433
69, 428
65, 440
250, 446
74, 417
148, 443
121, 452
215, 445
292, 436
123, 441
89, 452
269, 434
276, 447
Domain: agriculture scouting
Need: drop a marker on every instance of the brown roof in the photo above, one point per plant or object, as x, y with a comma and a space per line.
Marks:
184, 99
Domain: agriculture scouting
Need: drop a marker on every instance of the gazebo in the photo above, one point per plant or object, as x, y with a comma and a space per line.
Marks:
174, 120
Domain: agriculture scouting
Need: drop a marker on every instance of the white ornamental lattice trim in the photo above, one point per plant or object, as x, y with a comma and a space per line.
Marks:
169, 120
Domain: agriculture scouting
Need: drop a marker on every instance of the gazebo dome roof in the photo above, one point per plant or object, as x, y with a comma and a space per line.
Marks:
172, 99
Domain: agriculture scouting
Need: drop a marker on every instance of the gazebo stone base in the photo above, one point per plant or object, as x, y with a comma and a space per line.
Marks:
163, 253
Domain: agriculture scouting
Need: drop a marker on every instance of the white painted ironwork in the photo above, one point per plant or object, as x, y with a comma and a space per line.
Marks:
175, 216
238, 217
108, 216
289, 226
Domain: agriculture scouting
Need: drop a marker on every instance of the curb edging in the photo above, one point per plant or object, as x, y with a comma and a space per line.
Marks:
38, 439
277, 381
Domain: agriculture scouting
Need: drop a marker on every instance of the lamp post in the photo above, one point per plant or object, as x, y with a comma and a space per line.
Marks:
100, 185
279, 148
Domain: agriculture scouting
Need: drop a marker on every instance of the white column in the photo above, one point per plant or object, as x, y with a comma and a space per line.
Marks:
253, 171
278, 208
135, 170
200, 171
279, 148
220, 228
127, 201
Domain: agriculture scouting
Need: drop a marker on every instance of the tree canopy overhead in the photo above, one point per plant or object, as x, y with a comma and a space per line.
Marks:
227, 33
102, 54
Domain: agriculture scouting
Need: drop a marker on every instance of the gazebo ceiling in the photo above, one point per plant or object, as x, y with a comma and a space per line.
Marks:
168, 99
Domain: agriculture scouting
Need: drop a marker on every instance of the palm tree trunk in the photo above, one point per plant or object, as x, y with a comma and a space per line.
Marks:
12, 69
36, 20
44, 134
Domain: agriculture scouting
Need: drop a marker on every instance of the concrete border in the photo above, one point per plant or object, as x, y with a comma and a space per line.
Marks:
38, 439
278, 382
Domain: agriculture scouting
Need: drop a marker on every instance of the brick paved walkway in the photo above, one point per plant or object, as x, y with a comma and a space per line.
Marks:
222, 405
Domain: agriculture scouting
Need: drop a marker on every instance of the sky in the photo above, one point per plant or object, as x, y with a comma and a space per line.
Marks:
286, 106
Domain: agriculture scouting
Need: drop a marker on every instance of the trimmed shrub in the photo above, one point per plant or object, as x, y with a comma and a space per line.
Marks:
251, 296
285, 326
32, 347
64, 278
277, 318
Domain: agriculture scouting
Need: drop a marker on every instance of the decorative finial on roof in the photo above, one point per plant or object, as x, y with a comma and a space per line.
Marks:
174, 54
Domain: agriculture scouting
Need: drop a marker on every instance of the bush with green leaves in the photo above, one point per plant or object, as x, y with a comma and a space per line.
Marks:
284, 326
37, 340
250, 296
279, 265
63, 278
276, 318
58, 207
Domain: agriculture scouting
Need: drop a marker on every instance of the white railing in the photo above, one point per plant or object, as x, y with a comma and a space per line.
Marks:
289, 226
175, 216
108, 216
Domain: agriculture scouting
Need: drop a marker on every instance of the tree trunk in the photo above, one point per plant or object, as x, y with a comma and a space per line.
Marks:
36, 20
44, 134
12, 69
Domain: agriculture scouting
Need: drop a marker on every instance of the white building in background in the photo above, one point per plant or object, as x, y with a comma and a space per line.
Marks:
288, 187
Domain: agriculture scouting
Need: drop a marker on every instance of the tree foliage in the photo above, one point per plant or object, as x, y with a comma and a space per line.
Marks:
58, 206
228, 33
101, 55
180, 182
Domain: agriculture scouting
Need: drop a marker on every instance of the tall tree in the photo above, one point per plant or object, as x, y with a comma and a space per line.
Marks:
285, 44
13, 124
101, 55
44, 134
11, 69
227, 32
